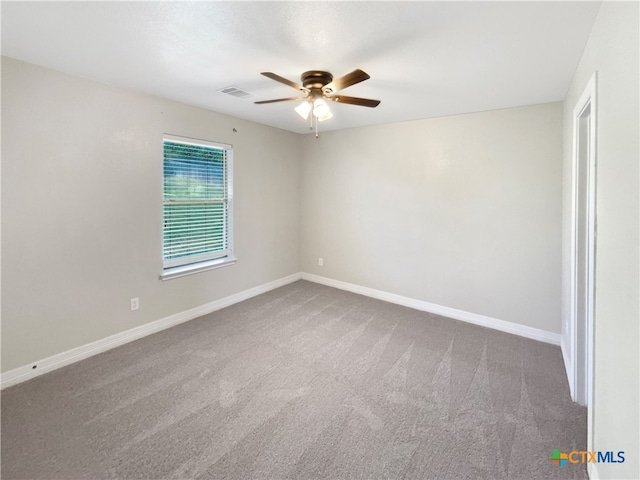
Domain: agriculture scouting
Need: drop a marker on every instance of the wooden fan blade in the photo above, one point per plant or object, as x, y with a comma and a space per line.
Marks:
280, 100
349, 79
362, 102
280, 79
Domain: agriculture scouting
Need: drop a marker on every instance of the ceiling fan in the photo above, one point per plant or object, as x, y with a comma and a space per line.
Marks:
318, 85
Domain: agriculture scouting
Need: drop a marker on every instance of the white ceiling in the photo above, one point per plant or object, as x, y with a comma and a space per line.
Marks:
426, 59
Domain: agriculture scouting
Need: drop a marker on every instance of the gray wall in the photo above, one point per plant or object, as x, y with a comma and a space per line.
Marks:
82, 214
461, 211
612, 51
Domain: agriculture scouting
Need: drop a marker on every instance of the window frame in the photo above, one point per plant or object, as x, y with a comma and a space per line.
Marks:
173, 268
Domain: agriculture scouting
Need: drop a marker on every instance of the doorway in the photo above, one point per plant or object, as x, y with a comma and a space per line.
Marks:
583, 246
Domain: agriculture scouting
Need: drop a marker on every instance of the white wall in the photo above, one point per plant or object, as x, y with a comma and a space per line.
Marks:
81, 210
463, 211
612, 51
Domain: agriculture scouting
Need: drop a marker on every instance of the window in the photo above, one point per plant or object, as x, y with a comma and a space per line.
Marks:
197, 206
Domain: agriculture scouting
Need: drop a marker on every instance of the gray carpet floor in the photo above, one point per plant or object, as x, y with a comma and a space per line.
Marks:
303, 382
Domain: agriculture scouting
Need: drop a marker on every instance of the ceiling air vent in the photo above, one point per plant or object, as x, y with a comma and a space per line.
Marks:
235, 92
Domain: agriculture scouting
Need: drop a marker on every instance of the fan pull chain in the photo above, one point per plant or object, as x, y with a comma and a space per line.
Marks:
316, 127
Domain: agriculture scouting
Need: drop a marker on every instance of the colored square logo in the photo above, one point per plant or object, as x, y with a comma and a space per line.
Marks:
559, 458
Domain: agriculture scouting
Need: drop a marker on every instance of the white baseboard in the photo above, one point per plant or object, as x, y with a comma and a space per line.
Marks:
476, 319
35, 369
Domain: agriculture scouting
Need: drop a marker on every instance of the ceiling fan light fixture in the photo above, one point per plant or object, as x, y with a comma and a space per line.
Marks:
326, 116
303, 109
321, 109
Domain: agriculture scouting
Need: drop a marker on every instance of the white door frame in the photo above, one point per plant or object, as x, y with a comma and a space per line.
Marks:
581, 379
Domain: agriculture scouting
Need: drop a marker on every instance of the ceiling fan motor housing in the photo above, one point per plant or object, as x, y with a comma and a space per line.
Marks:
316, 79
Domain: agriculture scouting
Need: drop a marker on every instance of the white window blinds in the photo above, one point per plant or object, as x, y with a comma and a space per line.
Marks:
196, 206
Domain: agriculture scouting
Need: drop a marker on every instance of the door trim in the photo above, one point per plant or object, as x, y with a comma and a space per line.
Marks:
584, 396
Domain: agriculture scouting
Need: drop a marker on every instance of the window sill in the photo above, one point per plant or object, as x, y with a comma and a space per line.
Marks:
176, 272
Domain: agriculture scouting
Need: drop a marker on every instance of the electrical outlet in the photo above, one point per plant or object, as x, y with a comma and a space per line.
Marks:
320, 262
135, 304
